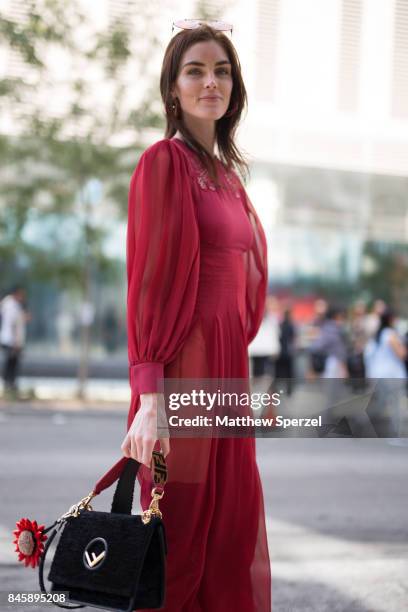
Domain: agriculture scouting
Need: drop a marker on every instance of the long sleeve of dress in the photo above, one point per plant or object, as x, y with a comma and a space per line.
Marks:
256, 267
162, 264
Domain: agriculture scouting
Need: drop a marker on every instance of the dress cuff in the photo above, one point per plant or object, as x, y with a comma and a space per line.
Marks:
147, 377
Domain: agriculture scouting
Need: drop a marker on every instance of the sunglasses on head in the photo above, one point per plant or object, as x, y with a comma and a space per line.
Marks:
191, 24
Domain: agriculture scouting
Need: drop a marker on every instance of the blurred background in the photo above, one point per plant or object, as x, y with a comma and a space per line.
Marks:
326, 135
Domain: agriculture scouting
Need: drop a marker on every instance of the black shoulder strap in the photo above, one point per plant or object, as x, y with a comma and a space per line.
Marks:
41, 570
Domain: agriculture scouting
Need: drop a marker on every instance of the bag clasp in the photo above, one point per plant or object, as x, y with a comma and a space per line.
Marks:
153, 509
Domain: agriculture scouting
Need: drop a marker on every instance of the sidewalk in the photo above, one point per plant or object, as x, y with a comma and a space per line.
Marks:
59, 395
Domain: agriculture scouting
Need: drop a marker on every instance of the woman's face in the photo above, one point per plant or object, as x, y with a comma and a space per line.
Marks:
205, 70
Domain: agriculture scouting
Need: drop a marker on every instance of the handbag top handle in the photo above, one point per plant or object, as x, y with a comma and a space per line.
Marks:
126, 470
159, 470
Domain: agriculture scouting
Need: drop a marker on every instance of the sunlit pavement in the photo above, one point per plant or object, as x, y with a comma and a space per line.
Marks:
336, 509
337, 524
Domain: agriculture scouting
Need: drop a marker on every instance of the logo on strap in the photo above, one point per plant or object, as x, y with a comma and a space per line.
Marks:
159, 468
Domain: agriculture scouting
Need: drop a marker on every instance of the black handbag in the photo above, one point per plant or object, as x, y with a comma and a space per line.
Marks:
111, 560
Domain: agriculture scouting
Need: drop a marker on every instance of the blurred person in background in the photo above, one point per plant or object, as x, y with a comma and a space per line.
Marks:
321, 307
332, 344
385, 353
384, 358
264, 349
358, 338
331, 347
372, 319
12, 337
316, 357
286, 358
358, 326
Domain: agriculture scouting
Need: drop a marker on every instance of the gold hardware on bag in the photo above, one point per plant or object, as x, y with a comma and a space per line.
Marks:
95, 559
83, 504
153, 509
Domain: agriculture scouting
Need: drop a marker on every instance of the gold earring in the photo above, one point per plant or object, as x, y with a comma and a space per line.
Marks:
175, 108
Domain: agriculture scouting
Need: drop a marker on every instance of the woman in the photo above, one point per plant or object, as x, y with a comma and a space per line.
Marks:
329, 355
13, 317
196, 263
384, 361
331, 343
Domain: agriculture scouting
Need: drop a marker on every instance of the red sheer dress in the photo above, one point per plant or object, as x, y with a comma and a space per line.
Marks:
196, 266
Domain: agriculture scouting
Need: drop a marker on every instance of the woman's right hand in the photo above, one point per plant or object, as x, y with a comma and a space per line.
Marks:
139, 441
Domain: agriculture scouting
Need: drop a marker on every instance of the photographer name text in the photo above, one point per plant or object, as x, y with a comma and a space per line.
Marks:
244, 421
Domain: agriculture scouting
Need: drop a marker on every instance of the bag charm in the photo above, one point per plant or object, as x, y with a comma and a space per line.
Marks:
29, 541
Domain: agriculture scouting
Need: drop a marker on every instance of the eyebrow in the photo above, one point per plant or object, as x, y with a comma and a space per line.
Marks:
194, 63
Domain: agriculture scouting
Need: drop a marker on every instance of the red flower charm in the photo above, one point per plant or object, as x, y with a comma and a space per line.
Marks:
29, 541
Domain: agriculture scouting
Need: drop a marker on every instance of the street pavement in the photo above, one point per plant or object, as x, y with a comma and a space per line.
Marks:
336, 508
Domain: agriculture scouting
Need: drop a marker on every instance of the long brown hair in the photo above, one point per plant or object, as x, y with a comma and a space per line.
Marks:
226, 126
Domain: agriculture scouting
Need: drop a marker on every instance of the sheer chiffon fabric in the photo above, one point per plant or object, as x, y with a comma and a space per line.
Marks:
196, 266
